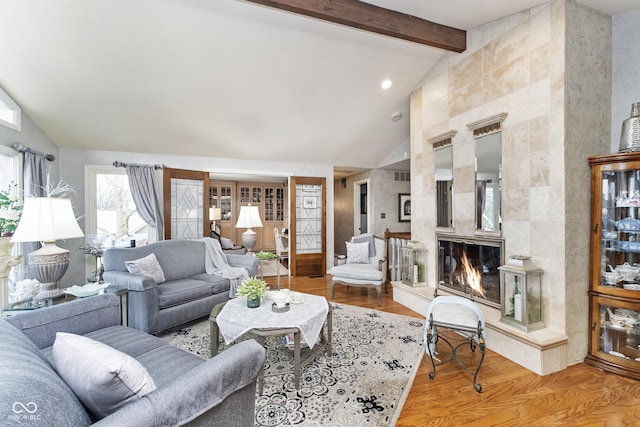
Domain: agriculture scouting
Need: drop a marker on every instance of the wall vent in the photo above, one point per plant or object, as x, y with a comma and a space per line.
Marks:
400, 176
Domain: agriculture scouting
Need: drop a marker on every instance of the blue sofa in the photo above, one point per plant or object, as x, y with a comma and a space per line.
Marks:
188, 293
190, 390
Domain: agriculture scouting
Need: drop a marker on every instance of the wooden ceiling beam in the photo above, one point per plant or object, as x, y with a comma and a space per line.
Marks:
368, 17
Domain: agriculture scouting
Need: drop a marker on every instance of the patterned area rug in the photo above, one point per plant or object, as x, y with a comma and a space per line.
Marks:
374, 359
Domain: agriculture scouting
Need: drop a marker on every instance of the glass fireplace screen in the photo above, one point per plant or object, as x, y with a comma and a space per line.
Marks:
469, 267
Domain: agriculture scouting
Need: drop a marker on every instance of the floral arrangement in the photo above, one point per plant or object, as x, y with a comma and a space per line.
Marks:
253, 288
10, 210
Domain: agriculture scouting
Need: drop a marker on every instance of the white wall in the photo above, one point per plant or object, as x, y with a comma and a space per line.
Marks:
626, 71
72, 164
31, 136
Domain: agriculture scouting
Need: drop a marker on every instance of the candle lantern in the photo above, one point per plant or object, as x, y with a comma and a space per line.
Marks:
521, 293
413, 263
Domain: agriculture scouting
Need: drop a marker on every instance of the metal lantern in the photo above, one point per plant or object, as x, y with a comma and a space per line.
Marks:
521, 293
413, 263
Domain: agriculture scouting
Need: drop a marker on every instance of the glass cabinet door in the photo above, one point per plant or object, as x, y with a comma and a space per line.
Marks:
617, 331
620, 235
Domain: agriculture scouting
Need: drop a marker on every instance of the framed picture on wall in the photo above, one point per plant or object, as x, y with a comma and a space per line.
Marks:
404, 207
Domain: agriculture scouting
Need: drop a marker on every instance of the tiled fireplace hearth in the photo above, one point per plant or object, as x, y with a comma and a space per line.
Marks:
463, 259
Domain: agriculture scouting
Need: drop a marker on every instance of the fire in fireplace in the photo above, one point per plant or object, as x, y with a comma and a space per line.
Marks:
469, 267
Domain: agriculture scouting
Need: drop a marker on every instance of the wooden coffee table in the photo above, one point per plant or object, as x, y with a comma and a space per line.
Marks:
309, 319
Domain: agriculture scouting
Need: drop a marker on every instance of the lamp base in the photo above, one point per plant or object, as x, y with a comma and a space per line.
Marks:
249, 239
48, 264
48, 291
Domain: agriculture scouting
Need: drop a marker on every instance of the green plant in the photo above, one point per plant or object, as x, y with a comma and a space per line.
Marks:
253, 288
10, 210
266, 255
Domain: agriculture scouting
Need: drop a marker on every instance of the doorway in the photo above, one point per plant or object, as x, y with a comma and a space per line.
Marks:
307, 245
361, 207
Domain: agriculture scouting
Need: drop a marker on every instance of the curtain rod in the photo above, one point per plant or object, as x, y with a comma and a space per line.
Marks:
19, 146
124, 165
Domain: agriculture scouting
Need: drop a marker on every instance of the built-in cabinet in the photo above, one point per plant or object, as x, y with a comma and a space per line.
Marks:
270, 198
614, 293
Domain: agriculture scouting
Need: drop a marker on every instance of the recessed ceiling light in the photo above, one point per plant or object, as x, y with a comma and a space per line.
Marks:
386, 84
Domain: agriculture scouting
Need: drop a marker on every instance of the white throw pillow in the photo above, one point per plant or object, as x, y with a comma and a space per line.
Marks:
147, 266
357, 253
226, 243
103, 378
366, 237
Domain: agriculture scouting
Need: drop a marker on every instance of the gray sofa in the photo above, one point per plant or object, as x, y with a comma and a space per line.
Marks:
190, 390
188, 293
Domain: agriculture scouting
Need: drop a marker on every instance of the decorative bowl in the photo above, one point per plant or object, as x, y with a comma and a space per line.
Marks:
609, 235
282, 309
627, 271
85, 291
612, 277
631, 286
628, 224
280, 298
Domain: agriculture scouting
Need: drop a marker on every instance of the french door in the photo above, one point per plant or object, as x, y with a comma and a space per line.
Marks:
186, 204
307, 242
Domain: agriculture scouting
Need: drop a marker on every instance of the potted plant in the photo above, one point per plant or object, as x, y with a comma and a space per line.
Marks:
254, 289
10, 210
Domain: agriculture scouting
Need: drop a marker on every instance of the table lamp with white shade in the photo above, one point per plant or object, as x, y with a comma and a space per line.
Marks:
215, 214
47, 219
249, 217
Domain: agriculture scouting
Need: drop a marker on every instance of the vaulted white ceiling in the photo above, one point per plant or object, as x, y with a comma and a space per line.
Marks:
223, 78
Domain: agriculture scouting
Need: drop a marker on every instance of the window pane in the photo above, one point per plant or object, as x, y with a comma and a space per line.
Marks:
117, 216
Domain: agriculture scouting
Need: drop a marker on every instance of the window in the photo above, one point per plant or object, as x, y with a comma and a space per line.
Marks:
10, 170
110, 208
10, 113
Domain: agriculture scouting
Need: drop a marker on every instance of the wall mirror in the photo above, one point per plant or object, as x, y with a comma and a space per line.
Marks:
444, 186
488, 200
443, 159
488, 182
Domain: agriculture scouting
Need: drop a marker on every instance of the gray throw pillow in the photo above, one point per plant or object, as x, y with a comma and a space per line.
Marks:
103, 378
147, 266
366, 237
226, 243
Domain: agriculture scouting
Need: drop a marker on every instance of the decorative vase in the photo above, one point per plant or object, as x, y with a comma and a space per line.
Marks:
630, 136
253, 302
5, 246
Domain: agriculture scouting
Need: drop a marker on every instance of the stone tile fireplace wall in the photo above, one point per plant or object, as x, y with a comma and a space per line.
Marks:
549, 68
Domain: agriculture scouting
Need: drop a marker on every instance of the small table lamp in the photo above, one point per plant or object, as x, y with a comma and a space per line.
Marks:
47, 219
249, 217
215, 214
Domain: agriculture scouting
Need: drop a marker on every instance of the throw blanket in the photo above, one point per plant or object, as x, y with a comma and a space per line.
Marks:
215, 262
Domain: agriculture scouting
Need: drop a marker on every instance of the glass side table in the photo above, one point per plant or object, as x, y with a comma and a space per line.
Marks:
31, 304
266, 261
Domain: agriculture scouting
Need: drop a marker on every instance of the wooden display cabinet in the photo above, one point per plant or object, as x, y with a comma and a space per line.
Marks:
614, 292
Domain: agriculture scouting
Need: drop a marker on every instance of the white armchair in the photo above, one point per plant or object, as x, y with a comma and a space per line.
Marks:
358, 272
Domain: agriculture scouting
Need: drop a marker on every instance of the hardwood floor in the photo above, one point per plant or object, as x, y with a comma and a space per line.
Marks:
511, 396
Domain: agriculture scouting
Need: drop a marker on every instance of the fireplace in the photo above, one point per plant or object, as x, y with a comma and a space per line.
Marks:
468, 266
